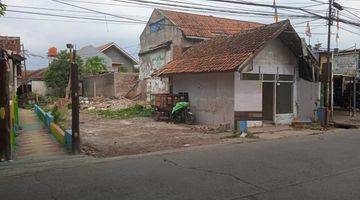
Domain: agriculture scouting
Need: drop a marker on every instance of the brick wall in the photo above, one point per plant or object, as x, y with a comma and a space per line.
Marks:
124, 82
115, 84
10, 43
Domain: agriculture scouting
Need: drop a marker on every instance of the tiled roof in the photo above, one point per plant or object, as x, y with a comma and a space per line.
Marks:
35, 75
10, 43
207, 26
105, 46
224, 53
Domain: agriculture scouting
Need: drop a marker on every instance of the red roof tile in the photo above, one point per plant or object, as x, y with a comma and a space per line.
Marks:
224, 53
10, 43
35, 75
207, 26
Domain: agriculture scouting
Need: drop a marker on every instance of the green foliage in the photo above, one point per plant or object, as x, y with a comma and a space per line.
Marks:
317, 46
132, 112
55, 112
123, 69
57, 76
2, 9
94, 65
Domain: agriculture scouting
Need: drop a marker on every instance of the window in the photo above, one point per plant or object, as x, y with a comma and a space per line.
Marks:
250, 76
286, 77
269, 77
284, 98
156, 26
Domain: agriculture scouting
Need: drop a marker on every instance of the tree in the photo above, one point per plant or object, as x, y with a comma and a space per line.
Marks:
2, 9
94, 65
57, 76
317, 46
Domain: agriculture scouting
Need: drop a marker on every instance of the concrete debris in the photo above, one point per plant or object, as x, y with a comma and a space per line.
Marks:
102, 103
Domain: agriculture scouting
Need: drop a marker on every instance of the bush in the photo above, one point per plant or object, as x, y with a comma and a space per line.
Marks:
131, 112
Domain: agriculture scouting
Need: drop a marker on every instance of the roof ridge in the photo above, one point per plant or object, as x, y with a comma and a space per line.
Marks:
196, 14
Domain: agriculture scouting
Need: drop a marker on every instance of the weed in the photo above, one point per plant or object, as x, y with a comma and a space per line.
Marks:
131, 112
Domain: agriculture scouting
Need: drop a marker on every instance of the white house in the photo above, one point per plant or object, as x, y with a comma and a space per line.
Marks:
261, 75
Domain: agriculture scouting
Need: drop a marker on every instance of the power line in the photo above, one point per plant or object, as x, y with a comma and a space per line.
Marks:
350, 31
104, 13
262, 13
73, 17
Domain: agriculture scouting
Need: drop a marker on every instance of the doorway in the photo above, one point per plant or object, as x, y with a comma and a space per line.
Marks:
268, 101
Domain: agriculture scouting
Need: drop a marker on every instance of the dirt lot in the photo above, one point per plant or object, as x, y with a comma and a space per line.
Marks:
103, 137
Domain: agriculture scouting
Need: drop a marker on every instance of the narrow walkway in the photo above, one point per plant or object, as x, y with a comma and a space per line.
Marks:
34, 141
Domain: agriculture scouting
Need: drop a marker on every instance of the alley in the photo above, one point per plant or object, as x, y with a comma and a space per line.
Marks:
34, 141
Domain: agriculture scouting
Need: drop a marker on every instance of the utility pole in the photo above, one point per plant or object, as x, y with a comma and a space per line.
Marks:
355, 87
276, 12
5, 143
75, 127
68, 87
328, 69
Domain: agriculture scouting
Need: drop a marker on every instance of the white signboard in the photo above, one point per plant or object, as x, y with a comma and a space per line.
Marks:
346, 64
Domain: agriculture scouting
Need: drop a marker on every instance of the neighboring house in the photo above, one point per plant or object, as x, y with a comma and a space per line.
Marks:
261, 75
116, 58
10, 48
168, 34
35, 83
11, 58
345, 66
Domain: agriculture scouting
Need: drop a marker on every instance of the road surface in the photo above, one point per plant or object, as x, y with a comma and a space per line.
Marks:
308, 167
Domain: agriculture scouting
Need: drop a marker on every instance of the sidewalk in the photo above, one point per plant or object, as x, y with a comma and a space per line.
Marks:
344, 117
34, 141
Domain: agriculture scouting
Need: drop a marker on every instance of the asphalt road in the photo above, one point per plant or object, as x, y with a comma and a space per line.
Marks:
308, 167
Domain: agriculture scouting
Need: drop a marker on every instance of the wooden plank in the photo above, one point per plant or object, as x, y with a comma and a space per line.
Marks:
248, 115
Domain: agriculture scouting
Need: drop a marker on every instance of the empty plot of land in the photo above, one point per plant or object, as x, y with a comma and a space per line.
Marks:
113, 137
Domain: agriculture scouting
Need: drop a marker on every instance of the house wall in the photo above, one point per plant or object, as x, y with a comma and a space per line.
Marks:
118, 57
90, 51
151, 61
39, 88
124, 82
247, 97
275, 58
211, 96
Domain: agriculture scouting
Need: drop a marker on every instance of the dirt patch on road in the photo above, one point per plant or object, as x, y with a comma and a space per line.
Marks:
102, 137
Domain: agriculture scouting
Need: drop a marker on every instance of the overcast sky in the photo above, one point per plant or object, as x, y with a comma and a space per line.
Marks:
38, 33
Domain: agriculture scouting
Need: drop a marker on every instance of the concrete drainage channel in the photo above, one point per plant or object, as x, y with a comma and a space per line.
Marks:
345, 126
63, 137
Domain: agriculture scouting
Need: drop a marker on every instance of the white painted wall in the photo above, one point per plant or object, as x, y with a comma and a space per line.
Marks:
39, 88
248, 94
211, 96
274, 56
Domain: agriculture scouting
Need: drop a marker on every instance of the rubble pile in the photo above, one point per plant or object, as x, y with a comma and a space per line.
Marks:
102, 103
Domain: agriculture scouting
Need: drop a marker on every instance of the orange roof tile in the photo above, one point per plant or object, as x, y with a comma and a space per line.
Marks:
207, 26
224, 53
